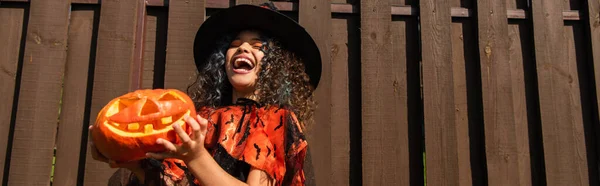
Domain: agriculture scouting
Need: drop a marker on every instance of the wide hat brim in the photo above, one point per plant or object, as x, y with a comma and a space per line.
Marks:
288, 32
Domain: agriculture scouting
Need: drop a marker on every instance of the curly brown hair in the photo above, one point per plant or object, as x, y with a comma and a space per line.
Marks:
281, 81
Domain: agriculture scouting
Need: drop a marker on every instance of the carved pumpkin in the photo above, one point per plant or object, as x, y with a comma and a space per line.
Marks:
128, 126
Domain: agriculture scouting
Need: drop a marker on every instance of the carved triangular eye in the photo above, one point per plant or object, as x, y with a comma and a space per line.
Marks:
170, 97
149, 108
119, 105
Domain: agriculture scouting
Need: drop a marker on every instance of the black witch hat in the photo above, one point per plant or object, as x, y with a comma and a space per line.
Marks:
266, 19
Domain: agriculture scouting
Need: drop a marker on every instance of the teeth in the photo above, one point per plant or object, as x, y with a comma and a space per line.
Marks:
243, 60
148, 128
166, 120
116, 124
133, 126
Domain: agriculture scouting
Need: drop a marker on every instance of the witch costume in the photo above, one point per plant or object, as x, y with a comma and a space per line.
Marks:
245, 134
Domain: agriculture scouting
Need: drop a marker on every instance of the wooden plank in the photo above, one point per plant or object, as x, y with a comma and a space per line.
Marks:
461, 45
382, 102
594, 32
184, 20
115, 52
149, 51
518, 55
562, 128
498, 109
40, 93
216, 4
438, 94
400, 38
315, 17
344, 8
155, 48
137, 65
340, 106
72, 121
12, 21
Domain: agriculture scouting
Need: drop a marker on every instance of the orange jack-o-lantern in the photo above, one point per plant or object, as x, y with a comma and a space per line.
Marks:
128, 126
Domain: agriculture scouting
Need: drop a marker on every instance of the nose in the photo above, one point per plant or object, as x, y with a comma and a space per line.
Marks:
244, 48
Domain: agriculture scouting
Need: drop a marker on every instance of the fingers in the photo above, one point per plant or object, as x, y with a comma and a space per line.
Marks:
167, 144
185, 138
203, 123
194, 125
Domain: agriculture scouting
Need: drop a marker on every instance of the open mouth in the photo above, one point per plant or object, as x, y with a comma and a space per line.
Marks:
242, 65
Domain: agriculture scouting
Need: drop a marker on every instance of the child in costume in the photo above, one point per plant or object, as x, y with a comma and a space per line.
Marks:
257, 72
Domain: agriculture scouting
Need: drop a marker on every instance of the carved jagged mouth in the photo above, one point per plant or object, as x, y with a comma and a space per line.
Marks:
147, 128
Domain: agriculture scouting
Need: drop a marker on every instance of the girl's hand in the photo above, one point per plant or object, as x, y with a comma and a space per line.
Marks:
96, 155
192, 147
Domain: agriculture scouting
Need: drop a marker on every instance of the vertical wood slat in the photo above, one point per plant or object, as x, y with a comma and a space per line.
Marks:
562, 126
40, 93
460, 47
498, 109
382, 80
315, 17
11, 33
150, 52
137, 66
518, 55
155, 49
340, 115
185, 17
115, 53
594, 32
72, 123
438, 97
576, 58
399, 38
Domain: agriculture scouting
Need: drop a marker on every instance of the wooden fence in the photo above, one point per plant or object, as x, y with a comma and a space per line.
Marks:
436, 92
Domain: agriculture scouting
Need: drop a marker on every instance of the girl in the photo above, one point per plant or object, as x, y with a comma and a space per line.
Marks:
257, 72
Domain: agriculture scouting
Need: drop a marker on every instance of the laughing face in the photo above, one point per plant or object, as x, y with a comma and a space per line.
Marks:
243, 62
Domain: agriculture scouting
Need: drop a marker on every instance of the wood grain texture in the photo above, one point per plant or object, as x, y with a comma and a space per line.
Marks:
398, 147
340, 107
562, 126
521, 58
155, 47
383, 79
115, 51
460, 60
438, 94
72, 121
185, 17
137, 65
40, 93
518, 54
149, 51
498, 109
315, 17
594, 32
11, 33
